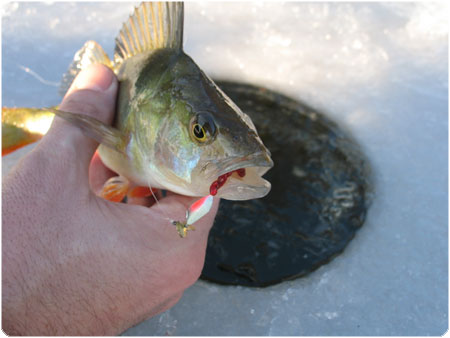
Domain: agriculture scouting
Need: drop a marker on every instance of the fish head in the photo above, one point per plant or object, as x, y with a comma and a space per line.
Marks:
228, 142
205, 136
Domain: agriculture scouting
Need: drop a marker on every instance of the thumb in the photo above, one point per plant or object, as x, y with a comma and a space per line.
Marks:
93, 93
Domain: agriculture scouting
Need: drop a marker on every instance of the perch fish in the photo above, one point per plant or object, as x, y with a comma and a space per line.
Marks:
174, 129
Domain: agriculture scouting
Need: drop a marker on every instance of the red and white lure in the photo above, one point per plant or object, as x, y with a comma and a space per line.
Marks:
196, 211
201, 207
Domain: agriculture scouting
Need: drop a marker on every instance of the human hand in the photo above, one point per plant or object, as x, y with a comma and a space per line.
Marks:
73, 263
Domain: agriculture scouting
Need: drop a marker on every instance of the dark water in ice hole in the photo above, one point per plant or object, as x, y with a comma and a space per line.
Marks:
319, 198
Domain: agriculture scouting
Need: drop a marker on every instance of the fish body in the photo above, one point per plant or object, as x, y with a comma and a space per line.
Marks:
174, 129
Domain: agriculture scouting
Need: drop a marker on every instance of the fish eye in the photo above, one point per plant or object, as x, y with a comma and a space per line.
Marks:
203, 128
199, 132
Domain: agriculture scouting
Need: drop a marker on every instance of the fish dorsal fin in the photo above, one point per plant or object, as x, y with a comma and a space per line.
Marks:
91, 53
153, 25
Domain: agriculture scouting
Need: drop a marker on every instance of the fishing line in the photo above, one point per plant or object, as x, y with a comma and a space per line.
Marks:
181, 226
159, 205
171, 221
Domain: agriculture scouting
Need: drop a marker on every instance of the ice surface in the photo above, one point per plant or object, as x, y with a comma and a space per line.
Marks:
380, 69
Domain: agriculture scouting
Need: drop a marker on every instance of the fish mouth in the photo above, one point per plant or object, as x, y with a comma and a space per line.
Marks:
243, 177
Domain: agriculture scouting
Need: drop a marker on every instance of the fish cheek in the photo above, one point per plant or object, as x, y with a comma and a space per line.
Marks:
177, 154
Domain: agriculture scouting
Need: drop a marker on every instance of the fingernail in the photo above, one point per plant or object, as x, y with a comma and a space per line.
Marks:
96, 77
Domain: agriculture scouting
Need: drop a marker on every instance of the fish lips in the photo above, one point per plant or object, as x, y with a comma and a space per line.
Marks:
252, 185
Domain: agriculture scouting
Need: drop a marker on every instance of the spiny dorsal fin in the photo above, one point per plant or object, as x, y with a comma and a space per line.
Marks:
153, 25
91, 53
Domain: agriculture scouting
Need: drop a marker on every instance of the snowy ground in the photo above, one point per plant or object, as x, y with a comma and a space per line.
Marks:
380, 69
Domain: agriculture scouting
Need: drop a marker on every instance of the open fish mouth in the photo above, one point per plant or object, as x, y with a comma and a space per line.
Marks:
241, 178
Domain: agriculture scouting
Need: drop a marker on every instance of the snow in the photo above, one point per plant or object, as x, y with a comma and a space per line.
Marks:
380, 69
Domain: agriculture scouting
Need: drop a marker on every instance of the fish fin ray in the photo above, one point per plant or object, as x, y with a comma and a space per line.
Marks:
93, 128
153, 25
91, 53
115, 189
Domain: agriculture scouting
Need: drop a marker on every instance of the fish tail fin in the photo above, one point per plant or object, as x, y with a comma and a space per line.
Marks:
14, 138
23, 126
153, 25
91, 53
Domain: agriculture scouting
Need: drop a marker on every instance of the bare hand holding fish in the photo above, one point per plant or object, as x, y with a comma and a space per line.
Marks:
174, 129
74, 263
